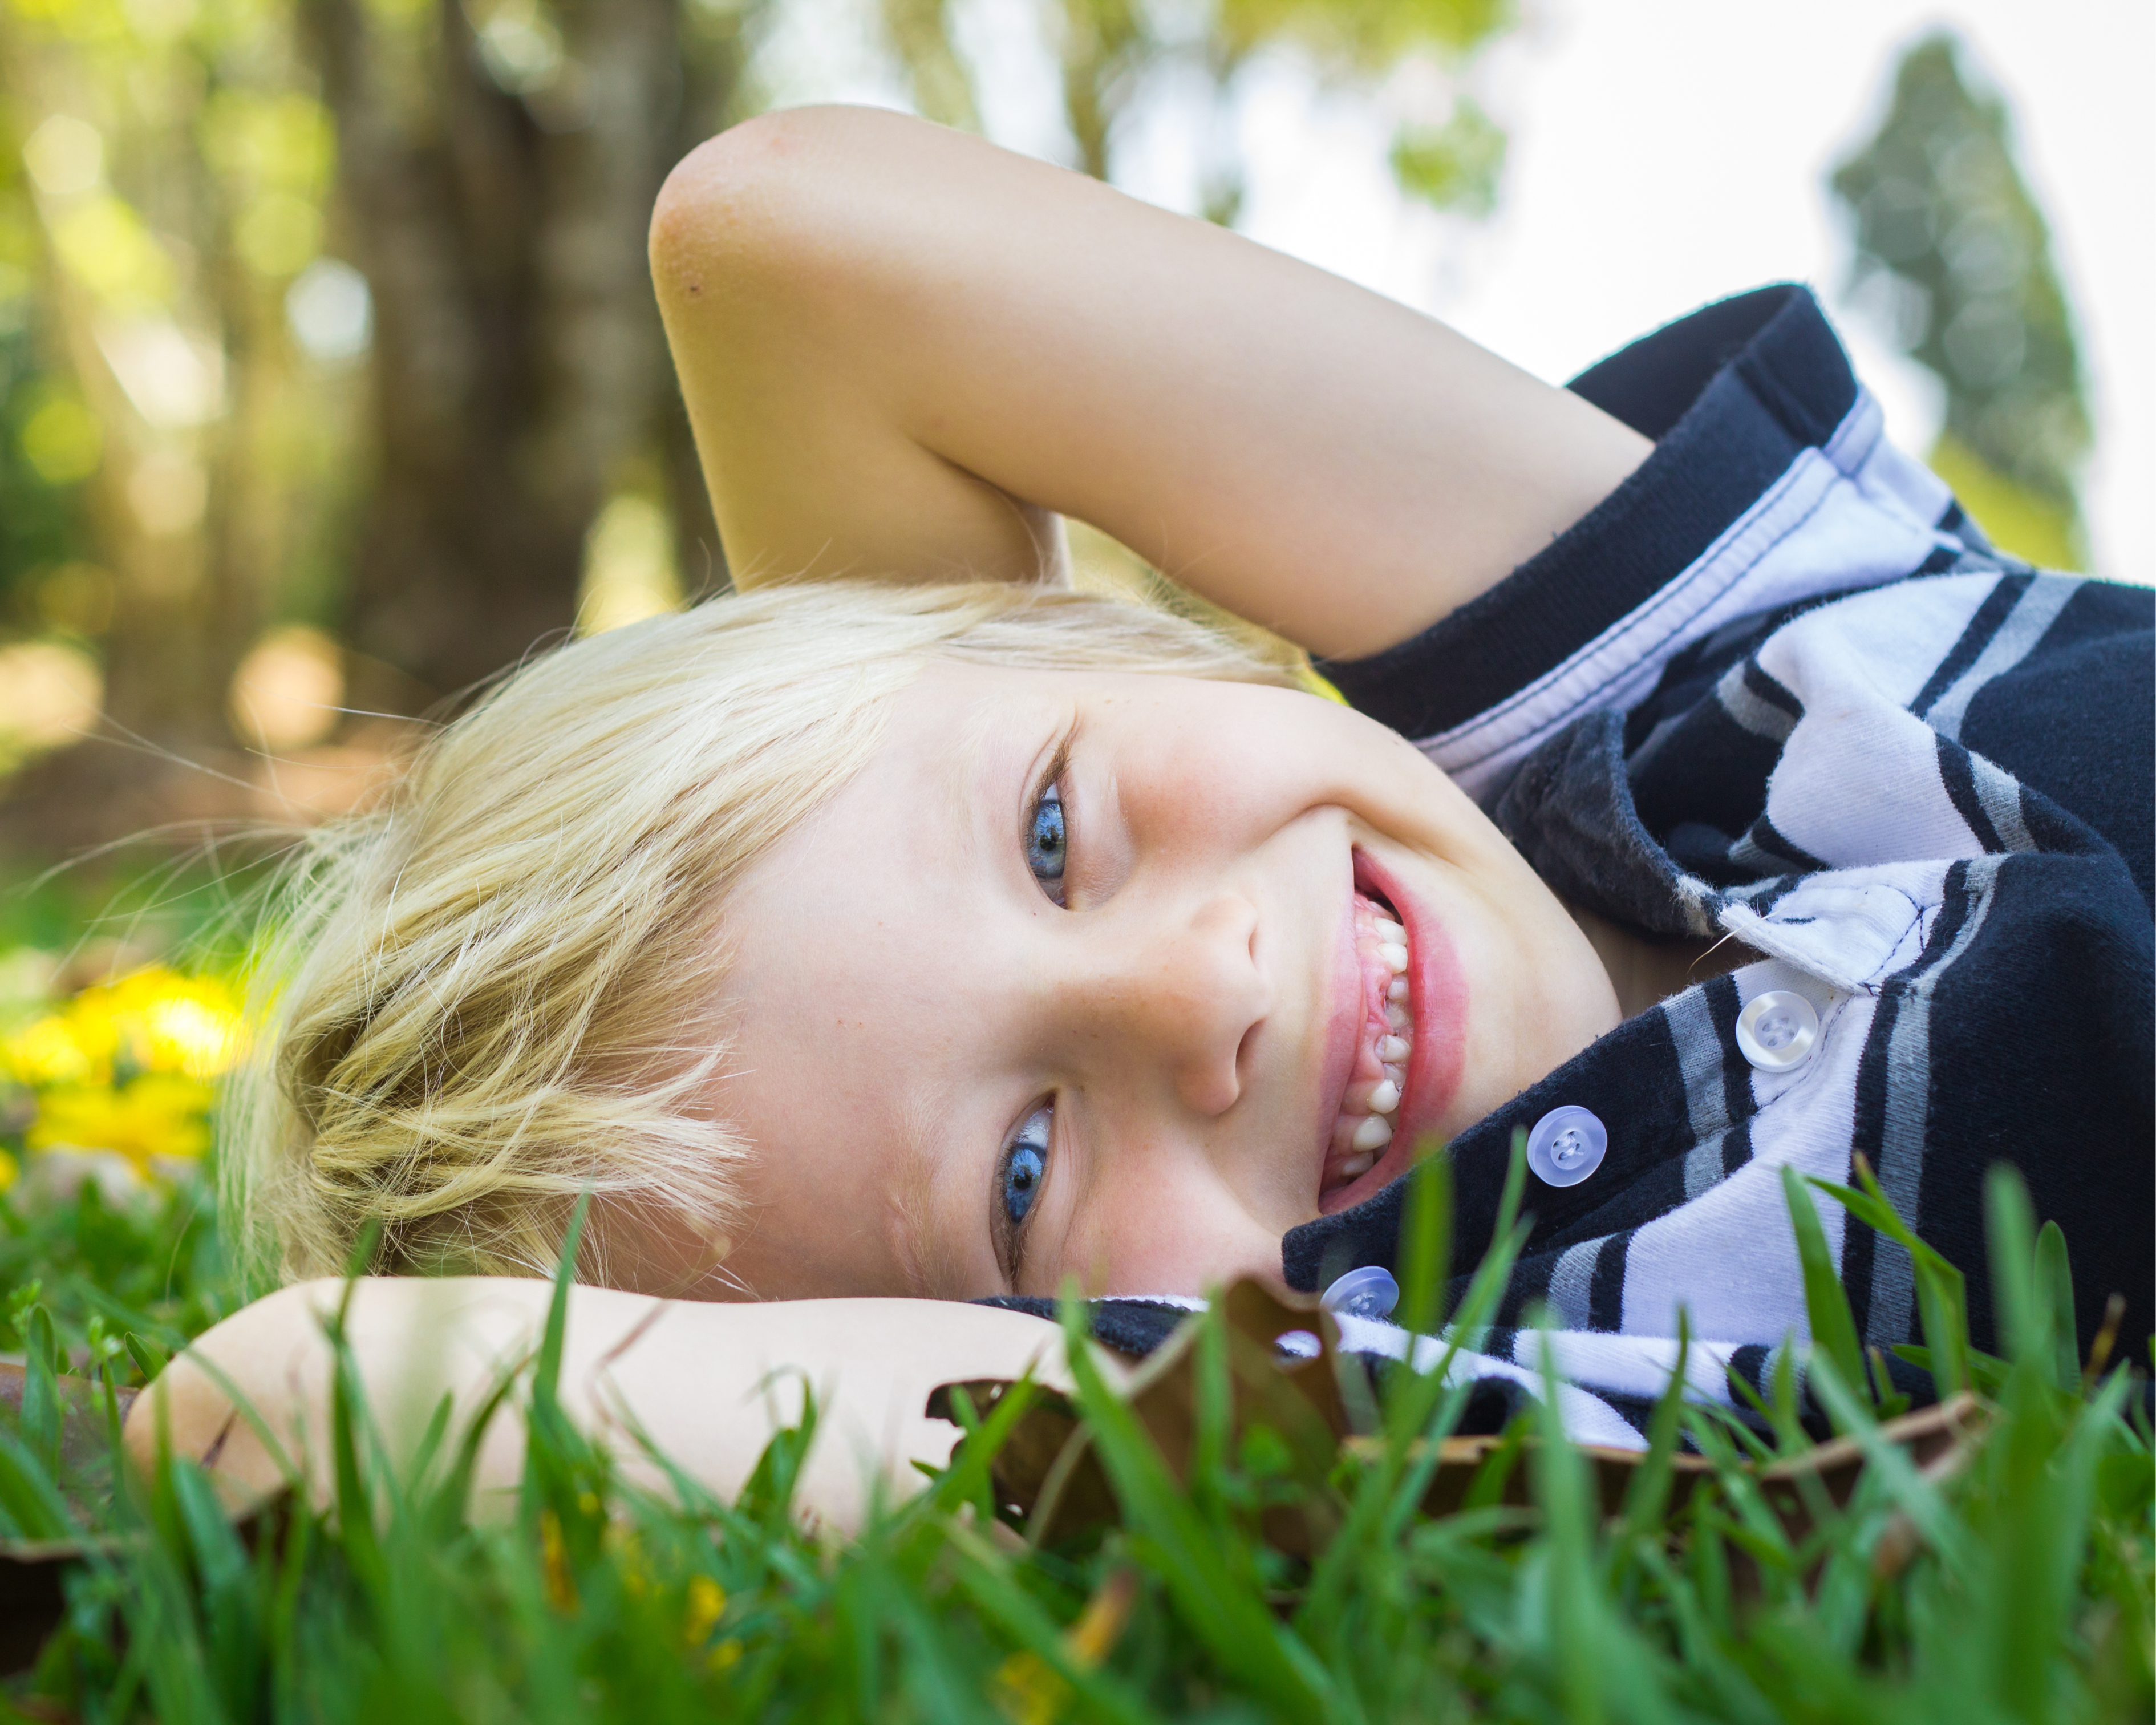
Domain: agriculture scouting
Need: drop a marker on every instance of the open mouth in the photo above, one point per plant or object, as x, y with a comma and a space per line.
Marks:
1377, 1082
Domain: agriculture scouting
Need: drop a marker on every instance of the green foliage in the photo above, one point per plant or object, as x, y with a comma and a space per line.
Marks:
1454, 166
2016, 1587
1953, 250
102, 1272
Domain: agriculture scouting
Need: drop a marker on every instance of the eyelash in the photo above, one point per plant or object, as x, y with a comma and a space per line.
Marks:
1050, 795
1010, 1230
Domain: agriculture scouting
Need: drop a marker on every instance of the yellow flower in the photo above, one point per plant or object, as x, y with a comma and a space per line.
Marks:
554, 1562
9, 1168
159, 1114
167, 1022
47, 1051
707, 1603
155, 1020
1028, 1691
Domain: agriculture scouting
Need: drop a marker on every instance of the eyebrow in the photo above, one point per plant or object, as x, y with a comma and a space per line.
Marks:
978, 739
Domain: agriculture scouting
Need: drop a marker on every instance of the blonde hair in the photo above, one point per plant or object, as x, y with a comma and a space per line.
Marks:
496, 990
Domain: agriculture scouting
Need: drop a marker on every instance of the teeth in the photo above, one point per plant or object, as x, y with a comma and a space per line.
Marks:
1365, 1124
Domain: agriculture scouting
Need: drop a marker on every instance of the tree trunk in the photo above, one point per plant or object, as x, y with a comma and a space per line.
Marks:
518, 364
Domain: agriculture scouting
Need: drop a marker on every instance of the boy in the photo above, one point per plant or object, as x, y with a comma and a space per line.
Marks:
887, 939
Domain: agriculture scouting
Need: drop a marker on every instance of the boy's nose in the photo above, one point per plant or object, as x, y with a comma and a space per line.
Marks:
1177, 995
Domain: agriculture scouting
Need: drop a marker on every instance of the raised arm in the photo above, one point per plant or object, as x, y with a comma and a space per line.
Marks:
904, 350
708, 1383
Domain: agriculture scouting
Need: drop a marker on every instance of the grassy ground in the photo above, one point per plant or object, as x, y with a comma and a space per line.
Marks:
2021, 1587
2019, 1590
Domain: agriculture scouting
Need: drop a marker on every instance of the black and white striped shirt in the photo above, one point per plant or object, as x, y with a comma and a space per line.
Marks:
1779, 686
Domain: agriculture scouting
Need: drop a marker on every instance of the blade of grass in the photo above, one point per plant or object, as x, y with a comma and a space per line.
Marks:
42, 1413
1389, 1490
29, 1497
1826, 1301
987, 1578
1226, 1611
1567, 1569
1942, 1290
1647, 1495
2010, 1238
1426, 1238
2055, 1289
1911, 1492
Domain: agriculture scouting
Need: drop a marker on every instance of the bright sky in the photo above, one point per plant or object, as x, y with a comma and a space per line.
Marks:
1665, 153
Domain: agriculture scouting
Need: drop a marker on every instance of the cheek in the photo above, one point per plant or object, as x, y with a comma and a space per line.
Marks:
1167, 1233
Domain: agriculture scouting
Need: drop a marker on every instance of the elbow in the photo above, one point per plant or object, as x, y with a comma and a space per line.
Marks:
763, 196
709, 199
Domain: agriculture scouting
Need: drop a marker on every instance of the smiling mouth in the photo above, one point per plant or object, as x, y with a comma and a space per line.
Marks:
1371, 1104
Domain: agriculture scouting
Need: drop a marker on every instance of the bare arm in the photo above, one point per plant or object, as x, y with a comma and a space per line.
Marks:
902, 348
708, 1383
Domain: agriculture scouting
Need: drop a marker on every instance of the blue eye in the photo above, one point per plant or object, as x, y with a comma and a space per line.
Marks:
1047, 842
1025, 1165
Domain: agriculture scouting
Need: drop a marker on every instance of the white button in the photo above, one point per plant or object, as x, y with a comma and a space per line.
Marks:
1566, 1145
1776, 1031
1367, 1292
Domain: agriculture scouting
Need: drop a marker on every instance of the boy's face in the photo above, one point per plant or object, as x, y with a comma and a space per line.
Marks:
1087, 975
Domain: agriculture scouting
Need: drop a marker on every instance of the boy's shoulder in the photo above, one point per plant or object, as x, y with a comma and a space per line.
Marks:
1772, 487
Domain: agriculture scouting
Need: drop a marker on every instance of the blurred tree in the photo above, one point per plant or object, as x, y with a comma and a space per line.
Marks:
1106, 48
1954, 258
500, 158
331, 318
920, 33
48, 439
172, 173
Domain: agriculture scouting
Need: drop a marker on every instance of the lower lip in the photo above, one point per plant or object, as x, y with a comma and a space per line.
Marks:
1437, 997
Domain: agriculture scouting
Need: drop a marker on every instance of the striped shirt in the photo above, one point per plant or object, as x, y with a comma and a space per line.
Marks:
1779, 686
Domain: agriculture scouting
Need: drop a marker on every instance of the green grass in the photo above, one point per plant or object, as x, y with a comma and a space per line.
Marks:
2026, 1593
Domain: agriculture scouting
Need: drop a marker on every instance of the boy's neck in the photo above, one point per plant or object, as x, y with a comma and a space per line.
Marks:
1646, 972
